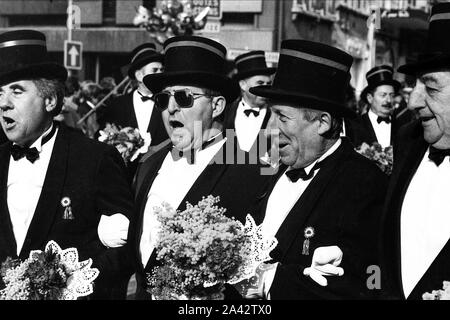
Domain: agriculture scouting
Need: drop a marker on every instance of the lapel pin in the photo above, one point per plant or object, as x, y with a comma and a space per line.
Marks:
65, 202
308, 233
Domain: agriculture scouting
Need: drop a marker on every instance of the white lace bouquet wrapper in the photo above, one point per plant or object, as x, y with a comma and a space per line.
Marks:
255, 250
76, 277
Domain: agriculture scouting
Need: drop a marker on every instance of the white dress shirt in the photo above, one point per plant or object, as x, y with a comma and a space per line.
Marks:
382, 130
425, 220
284, 196
248, 128
24, 186
143, 111
172, 183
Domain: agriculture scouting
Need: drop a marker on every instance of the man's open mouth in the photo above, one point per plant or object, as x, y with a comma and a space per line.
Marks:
176, 124
9, 122
425, 119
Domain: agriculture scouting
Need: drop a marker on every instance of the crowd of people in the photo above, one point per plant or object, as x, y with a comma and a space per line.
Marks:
288, 135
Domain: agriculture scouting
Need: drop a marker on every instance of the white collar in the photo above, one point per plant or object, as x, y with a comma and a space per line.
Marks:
325, 155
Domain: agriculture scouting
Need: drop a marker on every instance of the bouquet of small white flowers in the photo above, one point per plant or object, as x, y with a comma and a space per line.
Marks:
443, 294
383, 157
127, 141
53, 274
200, 249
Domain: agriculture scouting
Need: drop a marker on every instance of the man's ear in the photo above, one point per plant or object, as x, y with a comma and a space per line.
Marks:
243, 85
324, 123
50, 103
139, 75
369, 98
218, 105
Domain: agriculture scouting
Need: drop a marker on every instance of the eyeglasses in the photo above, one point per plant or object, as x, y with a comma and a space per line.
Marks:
184, 98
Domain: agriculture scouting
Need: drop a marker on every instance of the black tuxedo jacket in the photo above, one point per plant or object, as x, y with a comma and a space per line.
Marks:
92, 175
3, 137
407, 160
238, 186
259, 147
120, 111
343, 204
360, 130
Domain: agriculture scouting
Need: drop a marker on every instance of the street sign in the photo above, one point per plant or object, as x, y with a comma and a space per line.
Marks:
73, 53
215, 10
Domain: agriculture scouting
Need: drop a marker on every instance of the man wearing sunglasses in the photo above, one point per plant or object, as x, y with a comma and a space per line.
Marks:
192, 94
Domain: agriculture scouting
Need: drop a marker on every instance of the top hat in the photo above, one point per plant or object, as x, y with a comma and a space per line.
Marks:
311, 74
142, 55
251, 64
437, 54
196, 61
23, 55
378, 76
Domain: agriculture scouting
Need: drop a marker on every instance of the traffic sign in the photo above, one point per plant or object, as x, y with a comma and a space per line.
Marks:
73, 53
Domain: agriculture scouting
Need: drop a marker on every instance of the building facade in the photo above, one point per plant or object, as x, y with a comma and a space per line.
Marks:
107, 32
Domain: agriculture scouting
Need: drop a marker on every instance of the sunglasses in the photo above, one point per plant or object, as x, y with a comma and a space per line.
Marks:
184, 98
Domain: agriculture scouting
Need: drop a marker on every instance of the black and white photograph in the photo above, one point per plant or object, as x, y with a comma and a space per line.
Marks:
224, 154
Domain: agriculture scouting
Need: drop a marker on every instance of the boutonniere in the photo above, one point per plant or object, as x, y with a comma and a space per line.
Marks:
308, 234
66, 204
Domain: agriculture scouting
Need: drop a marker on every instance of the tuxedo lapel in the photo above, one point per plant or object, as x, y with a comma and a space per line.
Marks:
149, 172
304, 207
128, 111
230, 116
368, 125
49, 200
7, 240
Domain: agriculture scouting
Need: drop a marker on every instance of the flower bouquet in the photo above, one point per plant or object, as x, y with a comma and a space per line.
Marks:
53, 274
127, 141
443, 294
200, 249
383, 157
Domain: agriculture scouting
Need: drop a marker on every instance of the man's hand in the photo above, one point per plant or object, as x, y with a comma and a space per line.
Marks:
113, 230
325, 262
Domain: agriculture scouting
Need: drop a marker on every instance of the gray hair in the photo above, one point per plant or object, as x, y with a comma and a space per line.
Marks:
51, 88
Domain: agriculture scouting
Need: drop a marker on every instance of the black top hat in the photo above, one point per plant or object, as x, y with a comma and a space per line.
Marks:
142, 55
437, 54
251, 64
196, 61
23, 55
312, 74
378, 76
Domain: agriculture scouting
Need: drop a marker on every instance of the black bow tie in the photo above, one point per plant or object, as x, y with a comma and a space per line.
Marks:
18, 152
387, 120
32, 154
295, 174
438, 155
248, 111
145, 98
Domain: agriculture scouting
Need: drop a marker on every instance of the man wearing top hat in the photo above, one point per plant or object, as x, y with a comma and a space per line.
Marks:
136, 109
415, 235
249, 113
324, 204
55, 183
199, 159
380, 123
